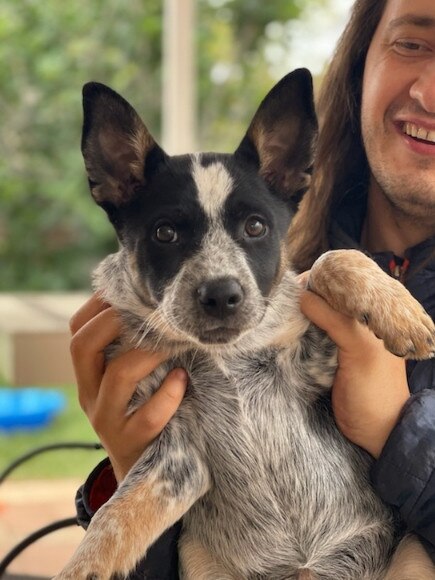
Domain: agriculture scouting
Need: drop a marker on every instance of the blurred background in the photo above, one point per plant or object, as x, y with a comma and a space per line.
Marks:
195, 70
51, 234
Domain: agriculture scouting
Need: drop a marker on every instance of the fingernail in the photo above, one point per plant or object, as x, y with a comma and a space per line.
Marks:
180, 374
303, 279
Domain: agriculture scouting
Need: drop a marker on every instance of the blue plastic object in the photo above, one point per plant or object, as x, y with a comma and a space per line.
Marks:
28, 408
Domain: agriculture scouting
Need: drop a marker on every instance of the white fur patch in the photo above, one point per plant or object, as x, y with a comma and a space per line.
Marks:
214, 185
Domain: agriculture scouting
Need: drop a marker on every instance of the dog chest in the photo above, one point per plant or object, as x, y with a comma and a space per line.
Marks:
283, 480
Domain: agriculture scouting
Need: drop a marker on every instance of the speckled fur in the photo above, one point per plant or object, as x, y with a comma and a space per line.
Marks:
267, 486
272, 486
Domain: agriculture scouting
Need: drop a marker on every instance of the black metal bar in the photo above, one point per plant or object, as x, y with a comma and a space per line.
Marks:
32, 538
38, 450
55, 525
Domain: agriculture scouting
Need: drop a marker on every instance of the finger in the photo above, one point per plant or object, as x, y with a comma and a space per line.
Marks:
303, 278
346, 332
161, 407
90, 308
87, 353
121, 378
94, 336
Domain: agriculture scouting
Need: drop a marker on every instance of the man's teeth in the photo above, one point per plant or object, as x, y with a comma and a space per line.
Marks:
418, 132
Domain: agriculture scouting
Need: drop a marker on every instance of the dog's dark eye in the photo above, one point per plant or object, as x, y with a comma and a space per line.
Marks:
255, 227
166, 233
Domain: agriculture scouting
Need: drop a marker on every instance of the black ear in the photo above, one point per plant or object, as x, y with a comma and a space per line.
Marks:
116, 146
282, 135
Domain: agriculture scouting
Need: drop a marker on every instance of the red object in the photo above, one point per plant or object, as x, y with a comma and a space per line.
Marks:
398, 270
103, 488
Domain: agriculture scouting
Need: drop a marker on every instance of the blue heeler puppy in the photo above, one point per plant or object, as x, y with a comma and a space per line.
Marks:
252, 461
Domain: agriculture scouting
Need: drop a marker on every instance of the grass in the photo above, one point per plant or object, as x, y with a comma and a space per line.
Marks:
70, 426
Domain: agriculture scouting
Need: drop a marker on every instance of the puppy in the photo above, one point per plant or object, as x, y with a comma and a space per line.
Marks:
252, 461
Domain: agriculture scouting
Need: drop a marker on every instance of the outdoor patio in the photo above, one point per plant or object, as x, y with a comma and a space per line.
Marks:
26, 506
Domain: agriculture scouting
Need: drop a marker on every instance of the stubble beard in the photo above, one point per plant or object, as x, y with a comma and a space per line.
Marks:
410, 201
410, 194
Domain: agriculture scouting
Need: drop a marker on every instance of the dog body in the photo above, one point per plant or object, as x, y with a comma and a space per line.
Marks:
252, 460
253, 446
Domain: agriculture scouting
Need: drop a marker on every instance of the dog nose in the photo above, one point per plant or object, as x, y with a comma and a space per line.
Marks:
221, 297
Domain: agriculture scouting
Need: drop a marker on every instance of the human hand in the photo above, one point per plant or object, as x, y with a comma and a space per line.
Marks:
370, 385
104, 389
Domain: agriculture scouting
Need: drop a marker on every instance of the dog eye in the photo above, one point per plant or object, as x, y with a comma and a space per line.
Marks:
255, 227
166, 234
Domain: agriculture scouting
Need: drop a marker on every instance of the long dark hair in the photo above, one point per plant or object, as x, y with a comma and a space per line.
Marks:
341, 162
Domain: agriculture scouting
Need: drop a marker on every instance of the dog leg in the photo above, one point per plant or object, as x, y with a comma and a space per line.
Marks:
411, 562
157, 492
121, 531
197, 563
354, 285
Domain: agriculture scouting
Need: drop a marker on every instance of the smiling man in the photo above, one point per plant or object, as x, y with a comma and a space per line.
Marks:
374, 188
398, 127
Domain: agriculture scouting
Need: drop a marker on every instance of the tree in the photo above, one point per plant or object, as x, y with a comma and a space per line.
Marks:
51, 233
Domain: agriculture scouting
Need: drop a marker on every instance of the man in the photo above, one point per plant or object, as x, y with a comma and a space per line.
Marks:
375, 183
373, 188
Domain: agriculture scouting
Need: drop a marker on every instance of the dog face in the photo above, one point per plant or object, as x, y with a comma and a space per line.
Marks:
203, 235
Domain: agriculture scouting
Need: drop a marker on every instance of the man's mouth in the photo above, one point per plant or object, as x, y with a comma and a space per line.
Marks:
419, 133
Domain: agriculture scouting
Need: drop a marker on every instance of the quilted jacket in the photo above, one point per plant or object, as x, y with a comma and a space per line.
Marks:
404, 474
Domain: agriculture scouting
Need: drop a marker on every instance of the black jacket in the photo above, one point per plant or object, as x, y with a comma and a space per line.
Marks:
404, 475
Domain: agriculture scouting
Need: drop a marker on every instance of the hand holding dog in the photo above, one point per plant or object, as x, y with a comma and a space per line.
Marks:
370, 386
104, 390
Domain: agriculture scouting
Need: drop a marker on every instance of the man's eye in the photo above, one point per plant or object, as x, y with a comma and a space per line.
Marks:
407, 47
166, 234
255, 227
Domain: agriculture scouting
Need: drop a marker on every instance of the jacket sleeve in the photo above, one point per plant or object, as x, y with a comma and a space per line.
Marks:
404, 475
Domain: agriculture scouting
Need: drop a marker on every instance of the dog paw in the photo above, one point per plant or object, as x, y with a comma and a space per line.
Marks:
83, 573
354, 285
407, 331
91, 566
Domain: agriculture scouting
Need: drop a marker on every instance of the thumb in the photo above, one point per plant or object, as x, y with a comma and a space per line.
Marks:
163, 404
342, 329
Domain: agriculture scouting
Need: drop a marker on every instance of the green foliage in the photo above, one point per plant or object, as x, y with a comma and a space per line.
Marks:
51, 233
70, 426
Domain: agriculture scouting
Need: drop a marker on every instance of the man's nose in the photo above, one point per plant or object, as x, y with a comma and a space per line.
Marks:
423, 88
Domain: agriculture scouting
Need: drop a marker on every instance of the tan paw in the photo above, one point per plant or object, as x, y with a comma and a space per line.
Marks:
354, 285
95, 559
84, 572
407, 331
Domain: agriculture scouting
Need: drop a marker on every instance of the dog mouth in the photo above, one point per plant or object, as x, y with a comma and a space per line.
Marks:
219, 335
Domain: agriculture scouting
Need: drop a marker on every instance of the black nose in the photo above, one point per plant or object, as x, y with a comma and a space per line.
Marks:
221, 297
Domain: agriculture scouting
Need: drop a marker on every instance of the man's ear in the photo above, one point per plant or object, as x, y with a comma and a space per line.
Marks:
117, 148
282, 135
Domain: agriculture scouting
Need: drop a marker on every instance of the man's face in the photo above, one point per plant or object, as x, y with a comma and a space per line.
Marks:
398, 107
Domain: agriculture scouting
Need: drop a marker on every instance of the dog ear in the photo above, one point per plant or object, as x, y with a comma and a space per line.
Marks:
282, 135
117, 147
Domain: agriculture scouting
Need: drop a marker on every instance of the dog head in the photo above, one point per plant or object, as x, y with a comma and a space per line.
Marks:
202, 236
